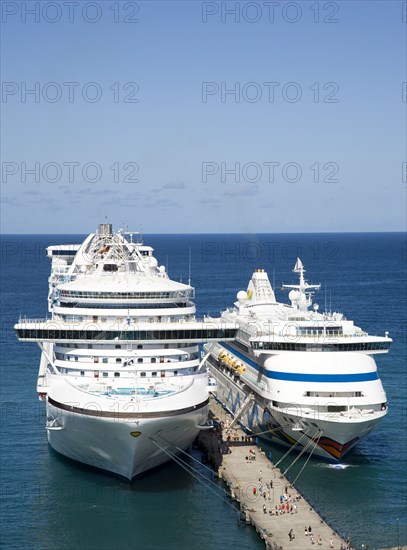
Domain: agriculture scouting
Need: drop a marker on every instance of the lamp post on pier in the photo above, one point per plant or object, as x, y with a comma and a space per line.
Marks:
398, 535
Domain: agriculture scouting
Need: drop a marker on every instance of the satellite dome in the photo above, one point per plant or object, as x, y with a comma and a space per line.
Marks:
153, 262
162, 268
241, 296
294, 295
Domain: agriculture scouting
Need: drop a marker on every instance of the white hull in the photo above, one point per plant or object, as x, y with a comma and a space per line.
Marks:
337, 439
108, 443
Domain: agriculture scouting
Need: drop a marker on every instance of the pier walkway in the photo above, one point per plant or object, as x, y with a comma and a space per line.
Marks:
260, 487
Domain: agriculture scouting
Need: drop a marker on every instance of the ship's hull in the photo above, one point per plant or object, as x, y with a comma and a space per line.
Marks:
322, 437
124, 446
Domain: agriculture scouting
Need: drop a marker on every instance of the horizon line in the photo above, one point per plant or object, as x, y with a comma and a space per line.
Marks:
231, 233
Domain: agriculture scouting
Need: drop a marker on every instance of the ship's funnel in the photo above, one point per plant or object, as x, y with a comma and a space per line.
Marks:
260, 289
105, 229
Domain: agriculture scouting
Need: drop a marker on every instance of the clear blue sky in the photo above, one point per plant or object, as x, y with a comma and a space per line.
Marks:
182, 136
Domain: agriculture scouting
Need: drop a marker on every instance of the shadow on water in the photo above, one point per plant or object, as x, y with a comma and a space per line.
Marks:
166, 477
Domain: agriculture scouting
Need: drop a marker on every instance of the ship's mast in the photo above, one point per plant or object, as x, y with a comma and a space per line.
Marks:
301, 297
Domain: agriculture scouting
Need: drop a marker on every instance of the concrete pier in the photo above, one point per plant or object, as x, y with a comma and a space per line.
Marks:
260, 488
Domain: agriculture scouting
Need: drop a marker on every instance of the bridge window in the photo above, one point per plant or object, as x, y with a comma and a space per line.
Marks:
110, 267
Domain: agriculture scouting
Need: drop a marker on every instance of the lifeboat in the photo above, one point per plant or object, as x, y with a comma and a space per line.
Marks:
240, 368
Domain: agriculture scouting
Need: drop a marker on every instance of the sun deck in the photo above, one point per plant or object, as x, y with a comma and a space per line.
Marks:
150, 391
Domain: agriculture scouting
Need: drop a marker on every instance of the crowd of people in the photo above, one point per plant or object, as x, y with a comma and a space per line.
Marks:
251, 456
308, 533
318, 540
287, 500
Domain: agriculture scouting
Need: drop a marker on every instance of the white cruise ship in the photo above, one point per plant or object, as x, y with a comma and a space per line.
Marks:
120, 368
300, 377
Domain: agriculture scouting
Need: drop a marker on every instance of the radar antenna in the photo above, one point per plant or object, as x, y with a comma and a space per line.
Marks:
189, 268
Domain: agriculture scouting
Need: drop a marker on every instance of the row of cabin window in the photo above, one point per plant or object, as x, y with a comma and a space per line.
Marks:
123, 305
121, 295
118, 346
64, 357
360, 346
136, 318
193, 335
333, 394
117, 374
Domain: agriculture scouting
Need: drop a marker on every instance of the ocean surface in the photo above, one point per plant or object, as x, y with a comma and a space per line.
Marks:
48, 502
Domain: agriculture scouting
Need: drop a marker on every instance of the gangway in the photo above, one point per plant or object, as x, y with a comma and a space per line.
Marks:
242, 409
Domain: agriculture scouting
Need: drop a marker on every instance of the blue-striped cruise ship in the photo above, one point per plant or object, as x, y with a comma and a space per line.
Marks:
295, 375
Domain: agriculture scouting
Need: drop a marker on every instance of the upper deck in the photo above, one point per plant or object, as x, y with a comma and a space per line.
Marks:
269, 326
206, 330
109, 270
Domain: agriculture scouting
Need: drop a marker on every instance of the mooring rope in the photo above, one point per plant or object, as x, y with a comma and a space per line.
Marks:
301, 453
292, 448
306, 462
191, 471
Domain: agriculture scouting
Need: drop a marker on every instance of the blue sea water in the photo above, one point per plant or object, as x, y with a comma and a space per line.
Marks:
48, 502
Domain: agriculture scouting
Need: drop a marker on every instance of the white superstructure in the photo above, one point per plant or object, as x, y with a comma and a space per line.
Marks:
120, 368
298, 376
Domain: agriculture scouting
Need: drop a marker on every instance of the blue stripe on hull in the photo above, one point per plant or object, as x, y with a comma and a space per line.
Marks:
302, 377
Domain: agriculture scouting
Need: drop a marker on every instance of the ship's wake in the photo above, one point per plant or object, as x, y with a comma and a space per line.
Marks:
336, 466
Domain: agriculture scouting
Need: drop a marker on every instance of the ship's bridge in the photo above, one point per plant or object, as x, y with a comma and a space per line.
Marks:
67, 251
